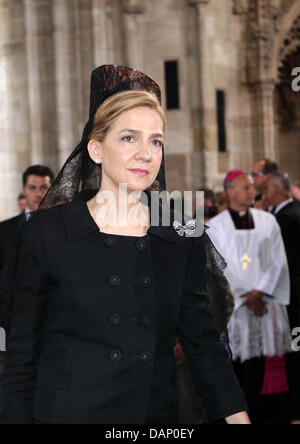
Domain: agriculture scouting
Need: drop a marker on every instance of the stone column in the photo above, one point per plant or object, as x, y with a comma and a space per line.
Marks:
264, 126
101, 35
200, 132
133, 9
14, 121
68, 129
41, 81
84, 44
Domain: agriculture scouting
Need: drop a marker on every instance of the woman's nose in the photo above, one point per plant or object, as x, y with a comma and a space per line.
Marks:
144, 152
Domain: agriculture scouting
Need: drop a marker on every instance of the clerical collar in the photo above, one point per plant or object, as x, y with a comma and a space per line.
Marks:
242, 220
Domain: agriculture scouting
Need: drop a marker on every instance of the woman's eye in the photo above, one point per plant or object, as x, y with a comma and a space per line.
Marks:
157, 143
128, 139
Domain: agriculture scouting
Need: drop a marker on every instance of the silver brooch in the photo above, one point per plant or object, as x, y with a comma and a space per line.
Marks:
187, 229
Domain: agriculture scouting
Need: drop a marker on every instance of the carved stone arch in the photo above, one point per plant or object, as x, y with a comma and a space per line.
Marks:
288, 36
286, 101
267, 22
291, 43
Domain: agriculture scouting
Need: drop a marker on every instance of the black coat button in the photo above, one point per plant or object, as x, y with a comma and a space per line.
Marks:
115, 319
116, 356
146, 320
114, 280
141, 245
109, 241
146, 281
145, 356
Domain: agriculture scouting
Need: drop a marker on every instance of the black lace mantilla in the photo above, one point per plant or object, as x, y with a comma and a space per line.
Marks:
218, 289
80, 172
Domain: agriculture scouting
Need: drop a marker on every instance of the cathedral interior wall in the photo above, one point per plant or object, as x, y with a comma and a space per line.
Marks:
48, 49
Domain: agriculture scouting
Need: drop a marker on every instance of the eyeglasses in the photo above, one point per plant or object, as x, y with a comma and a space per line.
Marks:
257, 174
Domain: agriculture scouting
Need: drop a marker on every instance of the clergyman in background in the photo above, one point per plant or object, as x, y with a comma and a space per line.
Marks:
257, 270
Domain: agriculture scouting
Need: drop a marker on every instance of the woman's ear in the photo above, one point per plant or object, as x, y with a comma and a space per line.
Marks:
95, 151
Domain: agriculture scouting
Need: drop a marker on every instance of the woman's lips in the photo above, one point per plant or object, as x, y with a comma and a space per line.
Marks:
141, 173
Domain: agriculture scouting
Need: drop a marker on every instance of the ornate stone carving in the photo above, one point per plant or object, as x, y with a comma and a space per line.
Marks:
262, 26
264, 22
292, 41
133, 6
287, 103
285, 7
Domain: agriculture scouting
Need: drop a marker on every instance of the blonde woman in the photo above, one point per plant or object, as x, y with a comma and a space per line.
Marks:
100, 298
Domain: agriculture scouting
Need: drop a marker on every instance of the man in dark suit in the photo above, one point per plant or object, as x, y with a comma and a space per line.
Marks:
287, 212
36, 182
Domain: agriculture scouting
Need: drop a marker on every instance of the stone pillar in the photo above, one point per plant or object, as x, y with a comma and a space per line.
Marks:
41, 82
133, 9
101, 33
201, 137
84, 44
264, 126
14, 122
68, 129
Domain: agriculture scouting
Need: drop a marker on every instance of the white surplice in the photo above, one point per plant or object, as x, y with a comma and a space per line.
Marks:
256, 260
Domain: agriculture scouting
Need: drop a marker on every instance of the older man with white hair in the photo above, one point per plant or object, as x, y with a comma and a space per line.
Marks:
287, 212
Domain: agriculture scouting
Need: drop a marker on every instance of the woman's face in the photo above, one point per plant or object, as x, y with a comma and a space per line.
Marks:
132, 150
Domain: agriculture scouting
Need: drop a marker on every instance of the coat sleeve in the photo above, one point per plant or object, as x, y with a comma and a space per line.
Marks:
31, 290
6, 279
1, 279
206, 354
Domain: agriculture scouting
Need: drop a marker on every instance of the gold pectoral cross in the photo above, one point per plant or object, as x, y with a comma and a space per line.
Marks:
246, 260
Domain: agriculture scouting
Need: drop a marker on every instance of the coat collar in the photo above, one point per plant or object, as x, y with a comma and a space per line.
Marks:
79, 222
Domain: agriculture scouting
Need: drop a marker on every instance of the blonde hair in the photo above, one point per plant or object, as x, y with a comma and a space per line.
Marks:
119, 103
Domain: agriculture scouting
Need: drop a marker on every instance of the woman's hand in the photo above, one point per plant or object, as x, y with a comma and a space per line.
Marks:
239, 418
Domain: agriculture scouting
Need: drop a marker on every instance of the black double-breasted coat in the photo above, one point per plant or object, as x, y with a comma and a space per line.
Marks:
9, 231
94, 324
